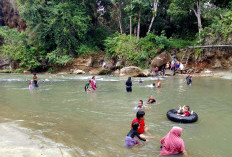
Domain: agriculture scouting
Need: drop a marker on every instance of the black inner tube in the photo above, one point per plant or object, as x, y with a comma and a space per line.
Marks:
171, 114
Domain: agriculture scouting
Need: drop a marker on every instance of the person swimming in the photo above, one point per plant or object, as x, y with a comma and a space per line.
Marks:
151, 100
140, 80
129, 140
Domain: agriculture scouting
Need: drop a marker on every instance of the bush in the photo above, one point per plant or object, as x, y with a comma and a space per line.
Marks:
5, 71
133, 52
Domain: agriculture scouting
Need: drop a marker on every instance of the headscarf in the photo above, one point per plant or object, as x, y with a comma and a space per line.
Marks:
128, 82
172, 143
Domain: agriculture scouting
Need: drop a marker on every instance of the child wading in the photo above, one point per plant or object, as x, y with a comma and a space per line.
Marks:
129, 140
87, 86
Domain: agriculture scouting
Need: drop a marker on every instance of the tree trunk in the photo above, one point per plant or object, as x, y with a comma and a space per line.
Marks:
119, 21
130, 27
131, 22
138, 30
154, 14
198, 15
135, 31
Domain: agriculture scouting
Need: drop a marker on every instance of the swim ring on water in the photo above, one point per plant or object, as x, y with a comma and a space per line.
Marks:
171, 114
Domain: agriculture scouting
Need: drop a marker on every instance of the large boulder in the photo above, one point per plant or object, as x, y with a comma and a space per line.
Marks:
161, 59
148, 72
131, 71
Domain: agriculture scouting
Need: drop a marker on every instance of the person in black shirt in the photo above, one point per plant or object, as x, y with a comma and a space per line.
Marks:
129, 85
151, 100
130, 141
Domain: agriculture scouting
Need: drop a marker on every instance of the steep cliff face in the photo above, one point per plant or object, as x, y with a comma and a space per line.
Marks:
9, 15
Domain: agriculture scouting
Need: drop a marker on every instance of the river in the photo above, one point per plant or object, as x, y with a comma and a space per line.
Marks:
96, 123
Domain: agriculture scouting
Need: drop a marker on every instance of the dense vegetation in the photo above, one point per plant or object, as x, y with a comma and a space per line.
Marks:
133, 31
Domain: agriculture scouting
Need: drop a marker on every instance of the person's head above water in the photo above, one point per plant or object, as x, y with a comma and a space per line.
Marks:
186, 108
89, 81
34, 74
151, 97
135, 125
153, 84
176, 131
140, 103
140, 114
93, 77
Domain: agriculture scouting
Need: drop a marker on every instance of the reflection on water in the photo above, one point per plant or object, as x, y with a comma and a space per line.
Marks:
96, 123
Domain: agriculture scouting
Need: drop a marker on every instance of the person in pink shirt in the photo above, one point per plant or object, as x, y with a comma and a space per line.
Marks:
93, 83
172, 143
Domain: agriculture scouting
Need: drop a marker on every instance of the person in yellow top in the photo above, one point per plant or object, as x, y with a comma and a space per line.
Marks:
35, 80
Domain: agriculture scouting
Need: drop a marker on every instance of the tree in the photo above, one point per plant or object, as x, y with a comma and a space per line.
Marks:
181, 7
154, 12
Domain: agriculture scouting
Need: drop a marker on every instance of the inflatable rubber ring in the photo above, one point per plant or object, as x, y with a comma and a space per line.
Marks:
171, 114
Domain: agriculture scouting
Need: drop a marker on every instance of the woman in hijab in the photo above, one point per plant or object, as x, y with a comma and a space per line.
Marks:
93, 83
129, 85
172, 143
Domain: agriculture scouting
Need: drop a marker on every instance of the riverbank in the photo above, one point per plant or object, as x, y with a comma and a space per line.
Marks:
20, 142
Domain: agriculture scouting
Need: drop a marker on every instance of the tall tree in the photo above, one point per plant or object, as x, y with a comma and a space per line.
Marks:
154, 12
181, 7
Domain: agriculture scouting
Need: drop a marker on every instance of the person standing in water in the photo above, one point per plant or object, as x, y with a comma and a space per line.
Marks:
129, 85
158, 84
30, 84
189, 79
35, 81
87, 86
93, 83
172, 143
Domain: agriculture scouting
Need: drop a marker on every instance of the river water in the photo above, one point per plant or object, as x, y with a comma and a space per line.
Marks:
96, 123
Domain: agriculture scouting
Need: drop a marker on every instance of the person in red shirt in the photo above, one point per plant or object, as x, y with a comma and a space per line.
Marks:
140, 117
184, 112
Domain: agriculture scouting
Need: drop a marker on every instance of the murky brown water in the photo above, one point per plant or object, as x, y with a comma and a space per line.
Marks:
95, 124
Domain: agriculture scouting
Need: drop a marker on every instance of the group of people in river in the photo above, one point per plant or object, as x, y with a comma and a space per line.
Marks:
91, 83
171, 144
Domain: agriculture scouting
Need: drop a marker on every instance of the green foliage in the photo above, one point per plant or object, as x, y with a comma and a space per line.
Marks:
15, 47
55, 25
133, 53
57, 58
220, 31
180, 43
18, 70
5, 71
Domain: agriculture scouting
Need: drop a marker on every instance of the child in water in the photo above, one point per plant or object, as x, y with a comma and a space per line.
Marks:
184, 111
189, 79
30, 84
87, 86
140, 80
129, 140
